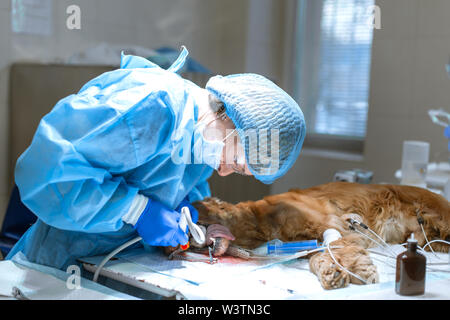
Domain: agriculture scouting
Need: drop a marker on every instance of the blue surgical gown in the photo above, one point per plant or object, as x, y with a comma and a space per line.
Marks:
90, 156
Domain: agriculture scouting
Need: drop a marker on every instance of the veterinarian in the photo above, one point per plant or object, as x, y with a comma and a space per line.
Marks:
134, 145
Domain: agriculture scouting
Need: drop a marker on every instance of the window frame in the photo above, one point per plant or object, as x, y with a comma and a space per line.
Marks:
296, 15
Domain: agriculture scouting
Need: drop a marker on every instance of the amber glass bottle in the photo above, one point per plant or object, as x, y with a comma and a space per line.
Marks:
410, 271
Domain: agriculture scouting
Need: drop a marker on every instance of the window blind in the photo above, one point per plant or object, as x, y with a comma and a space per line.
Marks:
337, 102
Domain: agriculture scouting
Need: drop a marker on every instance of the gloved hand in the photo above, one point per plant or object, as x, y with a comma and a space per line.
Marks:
447, 135
158, 225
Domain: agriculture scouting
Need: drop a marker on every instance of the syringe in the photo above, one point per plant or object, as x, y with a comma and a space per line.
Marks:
278, 247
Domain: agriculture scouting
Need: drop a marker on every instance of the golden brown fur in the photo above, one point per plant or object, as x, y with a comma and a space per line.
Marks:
390, 210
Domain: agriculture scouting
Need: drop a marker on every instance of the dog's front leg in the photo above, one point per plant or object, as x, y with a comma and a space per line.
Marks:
351, 256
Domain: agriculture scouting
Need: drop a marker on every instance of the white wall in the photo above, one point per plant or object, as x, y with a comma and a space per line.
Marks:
205, 27
408, 77
264, 38
213, 31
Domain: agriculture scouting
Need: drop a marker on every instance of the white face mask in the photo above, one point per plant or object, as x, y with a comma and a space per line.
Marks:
207, 151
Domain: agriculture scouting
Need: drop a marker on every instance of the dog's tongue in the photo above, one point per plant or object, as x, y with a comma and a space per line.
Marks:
218, 231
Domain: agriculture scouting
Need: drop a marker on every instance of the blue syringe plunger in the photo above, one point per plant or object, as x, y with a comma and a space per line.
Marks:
276, 247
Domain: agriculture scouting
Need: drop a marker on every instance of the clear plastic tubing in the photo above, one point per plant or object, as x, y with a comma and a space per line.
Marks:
278, 247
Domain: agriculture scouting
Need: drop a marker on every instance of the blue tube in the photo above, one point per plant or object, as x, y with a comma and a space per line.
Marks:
277, 247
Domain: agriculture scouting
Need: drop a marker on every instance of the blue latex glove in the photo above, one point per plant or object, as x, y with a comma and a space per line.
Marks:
158, 225
447, 135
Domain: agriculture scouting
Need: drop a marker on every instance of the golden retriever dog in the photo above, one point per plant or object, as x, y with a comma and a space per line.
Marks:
392, 211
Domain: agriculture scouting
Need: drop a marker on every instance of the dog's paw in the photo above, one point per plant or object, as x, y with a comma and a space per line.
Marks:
333, 277
368, 272
330, 275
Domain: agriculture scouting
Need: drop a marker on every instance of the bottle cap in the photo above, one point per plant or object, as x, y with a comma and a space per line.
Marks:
412, 239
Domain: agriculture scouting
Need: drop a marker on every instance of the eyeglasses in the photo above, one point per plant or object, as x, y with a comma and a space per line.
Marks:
221, 115
238, 168
238, 164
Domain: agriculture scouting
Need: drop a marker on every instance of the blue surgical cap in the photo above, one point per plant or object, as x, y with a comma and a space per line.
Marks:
262, 112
